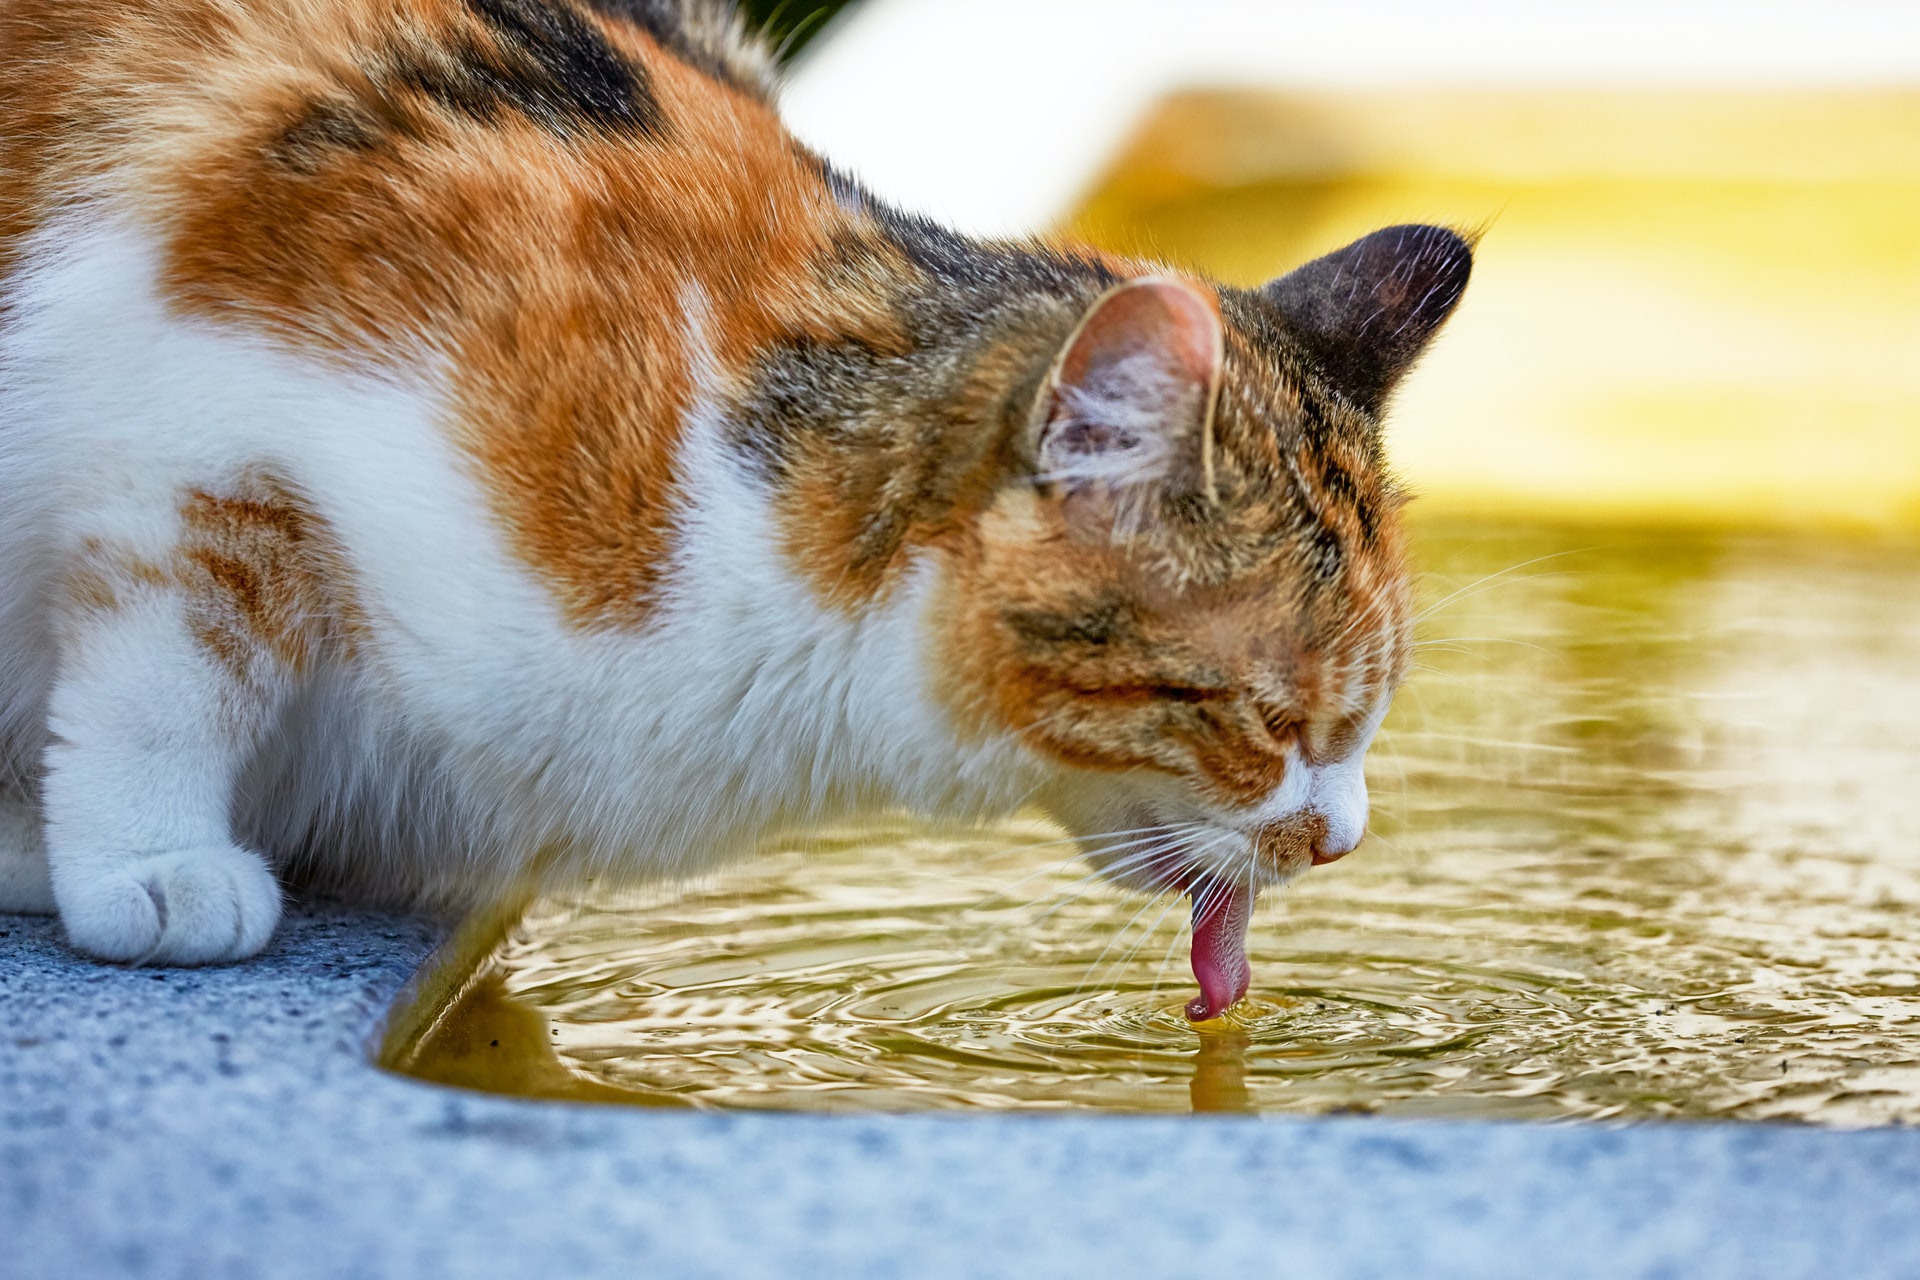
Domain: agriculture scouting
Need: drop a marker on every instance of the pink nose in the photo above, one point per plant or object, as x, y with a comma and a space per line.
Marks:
1323, 853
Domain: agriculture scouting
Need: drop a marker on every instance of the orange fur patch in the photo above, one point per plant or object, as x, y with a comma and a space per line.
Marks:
100, 579
264, 577
567, 281
574, 281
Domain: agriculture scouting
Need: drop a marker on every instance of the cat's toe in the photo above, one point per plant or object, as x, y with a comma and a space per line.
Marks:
185, 907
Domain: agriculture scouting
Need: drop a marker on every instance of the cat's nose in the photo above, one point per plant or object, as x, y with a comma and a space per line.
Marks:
1339, 797
1336, 843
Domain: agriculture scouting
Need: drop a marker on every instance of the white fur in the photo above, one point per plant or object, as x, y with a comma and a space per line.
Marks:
1134, 401
1333, 790
478, 732
1221, 841
1339, 796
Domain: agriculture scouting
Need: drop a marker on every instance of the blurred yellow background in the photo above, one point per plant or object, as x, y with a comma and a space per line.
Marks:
1688, 306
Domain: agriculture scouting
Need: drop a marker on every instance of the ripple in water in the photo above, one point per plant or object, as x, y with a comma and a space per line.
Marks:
1647, 844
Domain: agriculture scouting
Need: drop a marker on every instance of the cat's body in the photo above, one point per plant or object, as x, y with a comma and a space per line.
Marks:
442, 440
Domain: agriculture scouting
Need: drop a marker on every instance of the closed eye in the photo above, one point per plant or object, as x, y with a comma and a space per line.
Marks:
1285, 729
1160, 693
1186, 693
1154, 692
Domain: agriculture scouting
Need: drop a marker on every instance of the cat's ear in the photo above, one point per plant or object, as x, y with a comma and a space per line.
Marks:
1127, 410
1367, 311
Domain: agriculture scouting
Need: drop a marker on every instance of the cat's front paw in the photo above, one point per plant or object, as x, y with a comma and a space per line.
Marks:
184, 906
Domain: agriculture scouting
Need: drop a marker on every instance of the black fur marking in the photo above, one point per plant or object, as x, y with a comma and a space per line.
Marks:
1103, 623
847, 193
545, 62
1340, 487
988, 269
1315, 426
968, 299
918, 403
1325, 555
1366, 312
704, 34
323, 129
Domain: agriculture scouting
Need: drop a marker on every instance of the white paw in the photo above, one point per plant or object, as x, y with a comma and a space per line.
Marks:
185, 906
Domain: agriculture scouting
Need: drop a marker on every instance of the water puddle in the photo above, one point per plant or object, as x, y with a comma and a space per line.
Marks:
1647, 845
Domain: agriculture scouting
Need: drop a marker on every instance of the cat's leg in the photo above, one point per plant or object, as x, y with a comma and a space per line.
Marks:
160, 700
25, 886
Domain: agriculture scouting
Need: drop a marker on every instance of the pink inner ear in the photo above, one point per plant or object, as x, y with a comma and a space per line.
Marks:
1131, 399
1156, 315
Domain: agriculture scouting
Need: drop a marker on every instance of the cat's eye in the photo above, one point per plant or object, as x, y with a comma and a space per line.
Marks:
1186, 693
1283, 728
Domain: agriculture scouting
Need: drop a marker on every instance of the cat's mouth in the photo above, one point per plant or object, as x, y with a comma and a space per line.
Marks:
1221, 912
1223, 895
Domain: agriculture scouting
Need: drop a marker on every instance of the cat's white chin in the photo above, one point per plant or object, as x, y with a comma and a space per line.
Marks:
1222, 870
1152, 834
1150, 848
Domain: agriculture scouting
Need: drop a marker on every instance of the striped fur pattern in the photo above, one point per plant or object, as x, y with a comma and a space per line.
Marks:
444, 442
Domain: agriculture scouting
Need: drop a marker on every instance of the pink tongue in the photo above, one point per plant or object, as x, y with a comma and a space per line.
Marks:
1220, 949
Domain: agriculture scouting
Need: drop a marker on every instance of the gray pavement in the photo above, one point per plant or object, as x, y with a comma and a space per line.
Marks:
227, 1123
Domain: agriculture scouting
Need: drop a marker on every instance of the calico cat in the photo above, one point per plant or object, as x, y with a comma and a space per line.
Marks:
446, 442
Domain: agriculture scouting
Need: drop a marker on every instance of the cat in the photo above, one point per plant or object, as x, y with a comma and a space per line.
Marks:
446, 444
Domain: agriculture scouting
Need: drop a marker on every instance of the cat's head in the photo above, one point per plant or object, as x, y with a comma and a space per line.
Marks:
1195, 608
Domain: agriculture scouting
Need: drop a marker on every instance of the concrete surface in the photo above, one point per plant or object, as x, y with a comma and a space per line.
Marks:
226, 1123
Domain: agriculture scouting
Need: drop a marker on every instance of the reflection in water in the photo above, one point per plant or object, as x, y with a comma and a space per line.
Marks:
1645, 845
1220, 1071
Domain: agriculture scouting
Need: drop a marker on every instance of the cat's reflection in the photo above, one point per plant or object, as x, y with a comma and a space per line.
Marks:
1220, 1072
488, 1040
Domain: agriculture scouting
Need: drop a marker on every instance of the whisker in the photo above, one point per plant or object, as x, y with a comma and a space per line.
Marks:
1499, 578
1127, 956
1105, 835
1458, 644
1206, 901
1077, 890
1093, 968
1145, 835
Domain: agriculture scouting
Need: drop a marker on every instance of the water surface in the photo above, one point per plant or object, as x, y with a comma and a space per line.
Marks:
1647, 844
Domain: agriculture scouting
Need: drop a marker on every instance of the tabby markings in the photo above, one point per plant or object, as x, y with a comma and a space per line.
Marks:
545, 61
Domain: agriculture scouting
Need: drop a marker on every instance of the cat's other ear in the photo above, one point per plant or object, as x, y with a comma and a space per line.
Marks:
1367, 311
1127, 409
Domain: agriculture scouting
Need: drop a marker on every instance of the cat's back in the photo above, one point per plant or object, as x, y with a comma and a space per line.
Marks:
346, 167
546, 218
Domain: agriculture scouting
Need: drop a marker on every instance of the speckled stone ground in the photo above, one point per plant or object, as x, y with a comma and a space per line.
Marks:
226, 1123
